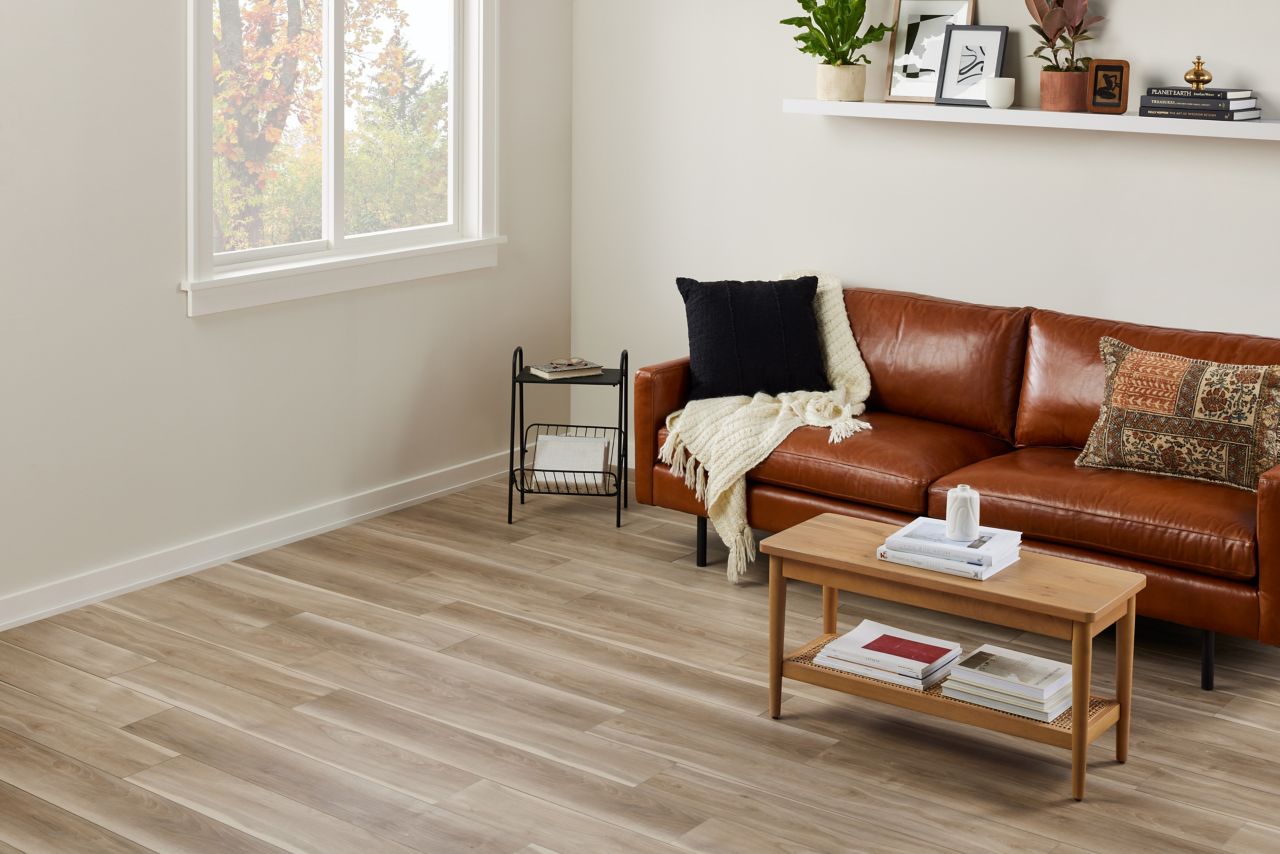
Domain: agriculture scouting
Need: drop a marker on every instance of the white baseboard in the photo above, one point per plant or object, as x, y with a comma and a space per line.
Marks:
95, 585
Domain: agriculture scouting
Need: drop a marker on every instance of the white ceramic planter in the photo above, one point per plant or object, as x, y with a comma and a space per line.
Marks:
841, 82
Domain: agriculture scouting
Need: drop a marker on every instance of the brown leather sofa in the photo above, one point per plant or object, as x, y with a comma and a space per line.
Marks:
1003, 399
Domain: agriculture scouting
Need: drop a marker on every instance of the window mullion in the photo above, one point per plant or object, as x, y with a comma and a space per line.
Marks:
335, 73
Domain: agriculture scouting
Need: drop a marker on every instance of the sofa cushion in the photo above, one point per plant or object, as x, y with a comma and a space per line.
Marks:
749, 337
1064, 383
889, 466
1189, 418
952, 362
1204, 527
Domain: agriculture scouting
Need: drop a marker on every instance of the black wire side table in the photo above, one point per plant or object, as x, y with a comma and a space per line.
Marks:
524, 476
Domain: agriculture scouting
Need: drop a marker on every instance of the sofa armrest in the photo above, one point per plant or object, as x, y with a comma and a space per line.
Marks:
659, 391
1269, 556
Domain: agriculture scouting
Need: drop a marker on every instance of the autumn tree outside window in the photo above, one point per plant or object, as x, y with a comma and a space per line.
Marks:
326, 133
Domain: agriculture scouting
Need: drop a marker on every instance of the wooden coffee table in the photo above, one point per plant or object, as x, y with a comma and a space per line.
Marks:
1048, 595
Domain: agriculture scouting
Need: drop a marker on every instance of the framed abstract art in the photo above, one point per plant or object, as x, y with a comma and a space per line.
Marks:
919, 34
970, 57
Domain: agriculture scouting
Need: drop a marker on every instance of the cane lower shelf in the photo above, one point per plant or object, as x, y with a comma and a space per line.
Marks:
1103, 711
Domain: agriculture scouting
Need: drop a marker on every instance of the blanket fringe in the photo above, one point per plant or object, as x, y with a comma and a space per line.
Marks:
846, 427
742, 550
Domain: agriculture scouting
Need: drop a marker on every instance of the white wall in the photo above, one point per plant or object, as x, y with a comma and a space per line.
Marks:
127, 428
685, 165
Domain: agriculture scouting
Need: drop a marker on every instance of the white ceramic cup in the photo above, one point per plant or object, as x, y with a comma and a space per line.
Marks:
1000, 92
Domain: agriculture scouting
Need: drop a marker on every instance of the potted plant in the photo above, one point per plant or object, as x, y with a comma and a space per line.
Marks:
830, 32
1062, 26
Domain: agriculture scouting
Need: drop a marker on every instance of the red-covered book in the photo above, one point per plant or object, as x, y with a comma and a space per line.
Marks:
925, 653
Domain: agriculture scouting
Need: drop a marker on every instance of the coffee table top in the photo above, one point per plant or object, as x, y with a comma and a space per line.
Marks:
1038, 583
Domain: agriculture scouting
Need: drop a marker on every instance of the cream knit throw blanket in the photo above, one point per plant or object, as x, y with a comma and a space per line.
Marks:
714, 443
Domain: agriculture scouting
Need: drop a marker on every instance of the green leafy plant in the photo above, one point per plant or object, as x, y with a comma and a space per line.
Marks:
830, 31
1062, 25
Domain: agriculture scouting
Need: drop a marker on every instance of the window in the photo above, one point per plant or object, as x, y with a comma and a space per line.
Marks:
337, 144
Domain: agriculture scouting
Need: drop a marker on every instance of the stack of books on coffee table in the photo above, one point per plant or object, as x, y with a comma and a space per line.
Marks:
924, 545
1012, 682
890, 655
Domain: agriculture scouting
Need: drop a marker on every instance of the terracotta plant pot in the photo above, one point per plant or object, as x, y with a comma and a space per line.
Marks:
841, 82
1064, 91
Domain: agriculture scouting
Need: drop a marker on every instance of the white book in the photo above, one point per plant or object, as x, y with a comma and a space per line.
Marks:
928, 537
1043, 716
1014, 672
959, 683
587, 457
909, 672
883, 675
951, 567
885, 647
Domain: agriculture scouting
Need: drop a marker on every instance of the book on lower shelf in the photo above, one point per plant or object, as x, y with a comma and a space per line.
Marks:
1011, 681
1202, 115
891, 655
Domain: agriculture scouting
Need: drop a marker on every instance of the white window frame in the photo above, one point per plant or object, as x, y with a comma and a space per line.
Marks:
339, 262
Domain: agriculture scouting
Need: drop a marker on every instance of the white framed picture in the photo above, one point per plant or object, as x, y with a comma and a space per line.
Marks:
919, 34
970, 57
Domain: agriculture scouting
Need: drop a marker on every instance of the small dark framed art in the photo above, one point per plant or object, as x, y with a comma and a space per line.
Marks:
1108, 86
970, 56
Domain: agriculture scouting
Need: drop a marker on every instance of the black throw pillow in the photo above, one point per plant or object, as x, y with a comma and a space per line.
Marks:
749, 337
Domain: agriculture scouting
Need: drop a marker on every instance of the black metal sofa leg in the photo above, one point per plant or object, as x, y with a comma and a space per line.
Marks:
1206, 660
701, 558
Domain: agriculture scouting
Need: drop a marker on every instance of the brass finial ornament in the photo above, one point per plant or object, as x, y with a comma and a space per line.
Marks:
1199, 77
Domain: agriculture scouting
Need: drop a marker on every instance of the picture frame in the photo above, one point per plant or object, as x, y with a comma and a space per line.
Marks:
915, 46
970, 56
1108, 87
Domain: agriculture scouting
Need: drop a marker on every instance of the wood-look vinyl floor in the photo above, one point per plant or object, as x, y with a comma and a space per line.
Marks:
436, 681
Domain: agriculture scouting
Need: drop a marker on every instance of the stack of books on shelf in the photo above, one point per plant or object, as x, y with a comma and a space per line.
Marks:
924, 545
1220, 105
1012, 682
566, 369
890, 655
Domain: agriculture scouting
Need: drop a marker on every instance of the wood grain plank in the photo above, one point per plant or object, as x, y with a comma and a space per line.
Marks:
72, 688
573, 788
353, 752
548, 824
514, 723
118, 806
378, 809
81, 737
257, 811
73, 649
35, 826
168, 646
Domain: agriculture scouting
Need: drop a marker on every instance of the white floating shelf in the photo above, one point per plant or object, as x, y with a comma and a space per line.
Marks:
1022, 117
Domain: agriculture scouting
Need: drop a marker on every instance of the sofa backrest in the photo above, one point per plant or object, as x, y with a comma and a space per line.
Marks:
946, 361
1064, 382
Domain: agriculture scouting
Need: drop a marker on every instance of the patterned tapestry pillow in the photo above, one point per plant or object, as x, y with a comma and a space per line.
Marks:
1187, 418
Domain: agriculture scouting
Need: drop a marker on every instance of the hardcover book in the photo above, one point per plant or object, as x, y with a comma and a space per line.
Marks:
1200, 103
898, 651
927, 536
1204, 115
565, 369
959, 568
1188, 92
1014, 672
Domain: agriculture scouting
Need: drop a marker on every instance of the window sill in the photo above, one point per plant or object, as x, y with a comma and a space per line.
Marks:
291, 280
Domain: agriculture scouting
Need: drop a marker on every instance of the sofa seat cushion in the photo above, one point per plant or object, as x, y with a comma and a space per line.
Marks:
1204, 527
890, 465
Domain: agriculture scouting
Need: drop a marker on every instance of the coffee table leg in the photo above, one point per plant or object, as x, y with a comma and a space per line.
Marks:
830, 602
1124, 677
1081, 672
777, 626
